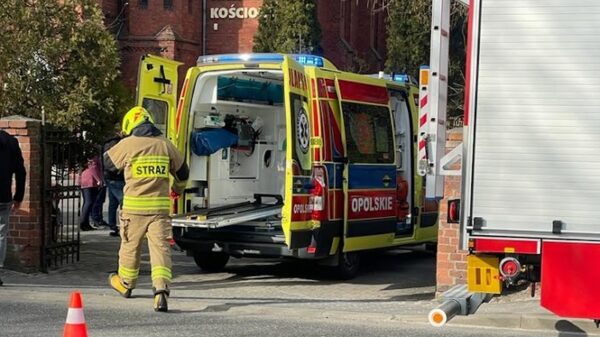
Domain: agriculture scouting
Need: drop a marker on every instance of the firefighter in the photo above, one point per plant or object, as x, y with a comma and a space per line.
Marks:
146, 159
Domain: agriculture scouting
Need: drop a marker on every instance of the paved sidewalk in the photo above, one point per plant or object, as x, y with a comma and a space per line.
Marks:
270, 288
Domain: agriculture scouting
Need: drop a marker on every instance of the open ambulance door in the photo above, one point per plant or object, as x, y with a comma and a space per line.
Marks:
369, 181
157, 91
297, 210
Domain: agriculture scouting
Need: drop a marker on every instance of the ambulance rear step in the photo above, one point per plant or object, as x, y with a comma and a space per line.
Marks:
229, 215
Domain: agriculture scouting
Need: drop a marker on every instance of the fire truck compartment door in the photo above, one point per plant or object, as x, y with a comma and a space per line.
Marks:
533, 138
370, 173
570, 278
297, 209
157, 90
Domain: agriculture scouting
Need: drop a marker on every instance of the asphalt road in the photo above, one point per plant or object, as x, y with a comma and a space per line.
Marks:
32, 318
251, 297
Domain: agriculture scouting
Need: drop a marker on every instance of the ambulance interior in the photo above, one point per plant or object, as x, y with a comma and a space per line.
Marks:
236, 144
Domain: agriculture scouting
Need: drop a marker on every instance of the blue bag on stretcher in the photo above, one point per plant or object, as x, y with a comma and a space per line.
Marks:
208, 141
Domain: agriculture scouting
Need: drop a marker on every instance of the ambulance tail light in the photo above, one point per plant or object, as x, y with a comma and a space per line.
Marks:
453, 211
318, 193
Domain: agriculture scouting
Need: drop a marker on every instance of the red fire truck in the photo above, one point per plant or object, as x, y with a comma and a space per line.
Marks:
531, 151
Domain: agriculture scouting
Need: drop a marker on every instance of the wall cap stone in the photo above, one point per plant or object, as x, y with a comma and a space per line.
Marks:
19, 118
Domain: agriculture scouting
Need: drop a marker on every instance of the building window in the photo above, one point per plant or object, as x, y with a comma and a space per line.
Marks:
168, 4
346, 19
377, 33
143, 3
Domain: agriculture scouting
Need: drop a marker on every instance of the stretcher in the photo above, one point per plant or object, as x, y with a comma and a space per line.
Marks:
229, 215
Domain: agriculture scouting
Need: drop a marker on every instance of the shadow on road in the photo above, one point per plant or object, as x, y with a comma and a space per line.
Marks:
568, 329
386, 270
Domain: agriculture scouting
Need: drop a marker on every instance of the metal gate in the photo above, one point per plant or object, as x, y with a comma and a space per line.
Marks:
63, 157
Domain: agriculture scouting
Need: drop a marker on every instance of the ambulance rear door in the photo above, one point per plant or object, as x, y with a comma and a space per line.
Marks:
370, 171
157, 90
297, 211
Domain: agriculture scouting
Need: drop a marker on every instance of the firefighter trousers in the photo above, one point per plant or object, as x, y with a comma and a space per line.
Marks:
157, 228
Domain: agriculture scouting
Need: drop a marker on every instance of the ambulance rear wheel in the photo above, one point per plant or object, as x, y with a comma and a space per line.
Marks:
348, 265
210, 261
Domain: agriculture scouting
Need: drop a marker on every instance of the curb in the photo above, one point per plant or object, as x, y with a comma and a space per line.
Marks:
529, 322
546, 323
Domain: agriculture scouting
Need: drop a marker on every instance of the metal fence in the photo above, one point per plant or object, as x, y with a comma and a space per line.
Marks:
63, 154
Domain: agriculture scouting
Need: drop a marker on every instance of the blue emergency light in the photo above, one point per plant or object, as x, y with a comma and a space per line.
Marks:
307, 60
241, 58
404, 78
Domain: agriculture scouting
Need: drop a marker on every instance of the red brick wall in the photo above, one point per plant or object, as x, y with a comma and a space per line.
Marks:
451, 261
232, 35
349, 35
110, 9
143, 32
174, 33
24, 236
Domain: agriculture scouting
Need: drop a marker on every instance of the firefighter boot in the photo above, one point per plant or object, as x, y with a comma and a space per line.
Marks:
117, 284
160, 300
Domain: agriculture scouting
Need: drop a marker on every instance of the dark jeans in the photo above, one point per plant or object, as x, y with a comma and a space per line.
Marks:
115, 201
89, 198
4, 215
97, 208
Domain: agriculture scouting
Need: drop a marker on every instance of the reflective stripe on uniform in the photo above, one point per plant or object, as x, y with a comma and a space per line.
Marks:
127, 273
146, 203
150, 166
162, 272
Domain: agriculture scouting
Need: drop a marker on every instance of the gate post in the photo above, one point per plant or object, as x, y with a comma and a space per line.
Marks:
25, 230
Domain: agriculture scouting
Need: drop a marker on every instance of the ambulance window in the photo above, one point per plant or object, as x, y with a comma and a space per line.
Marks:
382, 127
369, 136
159, 111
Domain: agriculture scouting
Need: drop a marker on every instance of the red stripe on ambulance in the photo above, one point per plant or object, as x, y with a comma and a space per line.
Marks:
354, 91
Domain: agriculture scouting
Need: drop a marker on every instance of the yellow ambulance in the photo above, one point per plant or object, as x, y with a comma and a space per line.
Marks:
290, 157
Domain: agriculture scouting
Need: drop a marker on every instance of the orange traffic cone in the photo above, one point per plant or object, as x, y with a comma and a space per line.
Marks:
75, 325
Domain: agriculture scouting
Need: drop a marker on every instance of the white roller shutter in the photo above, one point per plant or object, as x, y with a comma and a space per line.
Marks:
536, 122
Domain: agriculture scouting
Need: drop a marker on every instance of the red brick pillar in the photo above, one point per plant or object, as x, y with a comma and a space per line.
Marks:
24, 236
451, 261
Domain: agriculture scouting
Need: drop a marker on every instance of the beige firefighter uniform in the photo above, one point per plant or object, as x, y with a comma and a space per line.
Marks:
147, 159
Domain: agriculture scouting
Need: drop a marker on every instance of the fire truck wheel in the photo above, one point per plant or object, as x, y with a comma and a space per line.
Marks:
348, 265
211, 262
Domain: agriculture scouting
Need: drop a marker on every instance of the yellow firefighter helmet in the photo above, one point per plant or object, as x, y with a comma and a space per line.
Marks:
134, 117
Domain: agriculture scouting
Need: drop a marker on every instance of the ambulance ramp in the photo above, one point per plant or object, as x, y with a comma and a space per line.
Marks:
229, 215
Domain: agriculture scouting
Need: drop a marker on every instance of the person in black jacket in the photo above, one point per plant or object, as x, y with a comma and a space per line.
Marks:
114, 183
11, 164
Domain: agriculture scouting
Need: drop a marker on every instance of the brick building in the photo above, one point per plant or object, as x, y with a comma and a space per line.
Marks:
353, 34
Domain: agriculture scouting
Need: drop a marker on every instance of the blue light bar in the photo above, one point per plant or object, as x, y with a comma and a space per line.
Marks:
304, 59
240, 58
404, 78
309, 60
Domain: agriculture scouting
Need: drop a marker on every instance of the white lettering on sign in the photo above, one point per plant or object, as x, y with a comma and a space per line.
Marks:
372, 204
234, 13
303, 208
